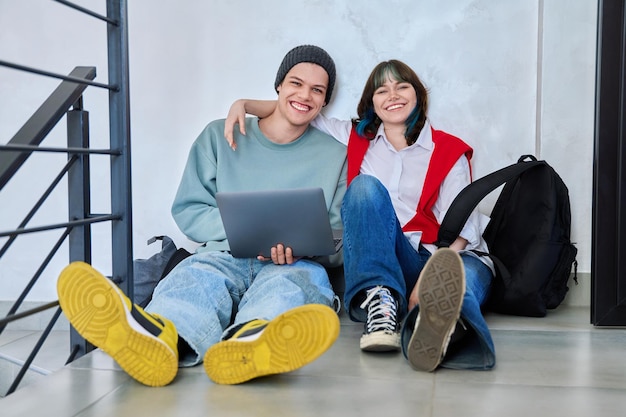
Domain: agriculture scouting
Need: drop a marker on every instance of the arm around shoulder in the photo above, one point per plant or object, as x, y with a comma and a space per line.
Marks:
237, 115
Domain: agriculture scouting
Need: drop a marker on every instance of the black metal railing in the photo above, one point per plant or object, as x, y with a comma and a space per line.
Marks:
67, 102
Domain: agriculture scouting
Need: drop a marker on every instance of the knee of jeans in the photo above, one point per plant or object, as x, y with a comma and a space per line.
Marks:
362, 189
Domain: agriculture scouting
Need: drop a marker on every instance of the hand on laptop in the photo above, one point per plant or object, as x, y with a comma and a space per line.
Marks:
280, 255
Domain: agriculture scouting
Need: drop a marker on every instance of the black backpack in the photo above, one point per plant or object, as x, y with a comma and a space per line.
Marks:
528, 236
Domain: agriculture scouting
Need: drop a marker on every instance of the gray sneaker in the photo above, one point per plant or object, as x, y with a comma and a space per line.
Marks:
440, 292
381, 332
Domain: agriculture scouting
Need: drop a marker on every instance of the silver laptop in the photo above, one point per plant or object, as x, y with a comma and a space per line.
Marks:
255, 221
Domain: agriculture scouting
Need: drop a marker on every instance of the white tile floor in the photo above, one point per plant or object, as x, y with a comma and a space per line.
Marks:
554, 366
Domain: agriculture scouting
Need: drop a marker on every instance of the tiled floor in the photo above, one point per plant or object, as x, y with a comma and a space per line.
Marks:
555, 366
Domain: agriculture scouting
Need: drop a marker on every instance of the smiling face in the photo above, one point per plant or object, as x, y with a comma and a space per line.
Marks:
393, 94
394, 101
302, 93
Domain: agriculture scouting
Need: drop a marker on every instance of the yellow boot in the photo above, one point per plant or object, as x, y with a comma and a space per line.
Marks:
290, 341
144, 345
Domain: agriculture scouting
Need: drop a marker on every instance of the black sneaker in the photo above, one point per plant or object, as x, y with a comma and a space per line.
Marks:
381, 329
441, 287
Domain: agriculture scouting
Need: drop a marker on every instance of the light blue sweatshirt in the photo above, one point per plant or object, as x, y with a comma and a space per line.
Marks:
315, 159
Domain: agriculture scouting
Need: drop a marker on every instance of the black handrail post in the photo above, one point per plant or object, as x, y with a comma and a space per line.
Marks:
119, 122
79, 202
79, 185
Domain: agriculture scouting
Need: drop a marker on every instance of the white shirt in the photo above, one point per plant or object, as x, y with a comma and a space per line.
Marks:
403, 173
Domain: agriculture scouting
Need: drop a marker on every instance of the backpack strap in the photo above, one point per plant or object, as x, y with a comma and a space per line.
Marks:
470, 196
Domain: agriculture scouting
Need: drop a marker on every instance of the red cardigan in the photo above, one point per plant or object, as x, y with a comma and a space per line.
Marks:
447, 151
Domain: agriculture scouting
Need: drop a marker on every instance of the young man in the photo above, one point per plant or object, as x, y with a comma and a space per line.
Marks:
244, 318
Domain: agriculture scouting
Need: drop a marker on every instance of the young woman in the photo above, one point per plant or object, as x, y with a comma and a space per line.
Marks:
403, 175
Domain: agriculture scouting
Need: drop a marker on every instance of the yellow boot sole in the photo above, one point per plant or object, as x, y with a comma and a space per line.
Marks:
101, 313
290, 341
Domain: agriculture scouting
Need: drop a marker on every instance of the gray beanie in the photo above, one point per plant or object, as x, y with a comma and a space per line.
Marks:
307, 53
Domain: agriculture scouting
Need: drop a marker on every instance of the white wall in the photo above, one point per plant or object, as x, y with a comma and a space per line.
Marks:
510, 77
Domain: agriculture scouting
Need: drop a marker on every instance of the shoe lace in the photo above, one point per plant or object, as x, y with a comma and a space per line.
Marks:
381, 310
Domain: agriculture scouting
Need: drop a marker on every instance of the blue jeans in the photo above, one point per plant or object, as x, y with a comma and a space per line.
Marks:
210, 293
376, 252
